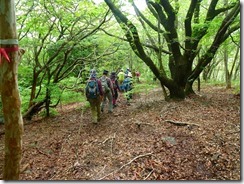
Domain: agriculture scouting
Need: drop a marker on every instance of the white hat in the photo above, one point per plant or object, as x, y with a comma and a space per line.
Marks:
129, 74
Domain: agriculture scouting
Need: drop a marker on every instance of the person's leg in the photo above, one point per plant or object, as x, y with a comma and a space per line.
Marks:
114, 101
115, 98
93, 110
98, 109
130, 94
110, 102
103, 102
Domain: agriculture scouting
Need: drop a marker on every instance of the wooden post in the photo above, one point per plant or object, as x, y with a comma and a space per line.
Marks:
9, 90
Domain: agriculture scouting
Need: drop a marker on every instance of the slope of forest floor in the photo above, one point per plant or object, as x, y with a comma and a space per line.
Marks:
194, 139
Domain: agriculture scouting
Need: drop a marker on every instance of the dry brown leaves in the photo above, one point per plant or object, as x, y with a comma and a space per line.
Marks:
136, 142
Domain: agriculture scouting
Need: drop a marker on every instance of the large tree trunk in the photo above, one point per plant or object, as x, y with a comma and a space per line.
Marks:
183, 74
175, 92
9, 90
48, 101
189, 89
236, 64
227, 73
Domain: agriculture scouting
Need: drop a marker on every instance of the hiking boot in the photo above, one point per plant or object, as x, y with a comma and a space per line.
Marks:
101, 110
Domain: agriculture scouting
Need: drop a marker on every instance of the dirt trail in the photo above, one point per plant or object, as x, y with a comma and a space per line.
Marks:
195, 139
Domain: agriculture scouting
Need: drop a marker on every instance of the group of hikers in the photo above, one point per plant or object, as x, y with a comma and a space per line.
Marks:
106, 88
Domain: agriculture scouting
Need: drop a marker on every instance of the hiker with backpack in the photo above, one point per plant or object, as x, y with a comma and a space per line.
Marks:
128, 86
116, 87
108, 91
94, 95
128, 72
121, 76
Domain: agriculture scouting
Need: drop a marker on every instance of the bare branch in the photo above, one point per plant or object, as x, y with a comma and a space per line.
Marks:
132, 160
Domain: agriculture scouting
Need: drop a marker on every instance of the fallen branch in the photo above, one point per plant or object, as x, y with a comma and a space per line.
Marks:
39, 151
107, 139
180, 123
112, 138
148, 175
24, 168
139, 124
101, 171
139, 156
235, 132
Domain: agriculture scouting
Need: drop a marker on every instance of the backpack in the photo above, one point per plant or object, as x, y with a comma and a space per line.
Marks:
127, 84
92, 89
104, 83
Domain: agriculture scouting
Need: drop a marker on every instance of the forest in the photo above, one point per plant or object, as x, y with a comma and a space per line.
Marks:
183, 120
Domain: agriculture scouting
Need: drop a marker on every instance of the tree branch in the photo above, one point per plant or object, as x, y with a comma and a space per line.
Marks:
132, 160
180, 123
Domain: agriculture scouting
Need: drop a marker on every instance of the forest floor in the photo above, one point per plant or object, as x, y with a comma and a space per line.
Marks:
151, 139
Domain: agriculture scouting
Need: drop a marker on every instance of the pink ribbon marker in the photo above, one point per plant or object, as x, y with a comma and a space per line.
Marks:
4, 51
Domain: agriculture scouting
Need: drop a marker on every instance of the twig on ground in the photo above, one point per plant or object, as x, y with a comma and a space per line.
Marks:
24, 168
107, 140
132, 160
180, 123
101, 171
112, 138
139, 124
43, 153
148, 175
235, 132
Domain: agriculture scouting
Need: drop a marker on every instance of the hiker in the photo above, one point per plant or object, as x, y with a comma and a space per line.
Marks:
137, 75
128, 86
108, 91
128, 72
94, 95
121, 76
116, 87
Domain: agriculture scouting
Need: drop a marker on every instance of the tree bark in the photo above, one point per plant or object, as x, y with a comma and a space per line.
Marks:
227, 73
9, 90
236, 64
226, 61
181, 57
34, 109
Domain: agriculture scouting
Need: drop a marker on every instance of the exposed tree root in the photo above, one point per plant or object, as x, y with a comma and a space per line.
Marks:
181, 123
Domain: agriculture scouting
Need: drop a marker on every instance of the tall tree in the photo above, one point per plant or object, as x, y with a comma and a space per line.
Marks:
229, 73
181, 50
58, 46
9, 90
